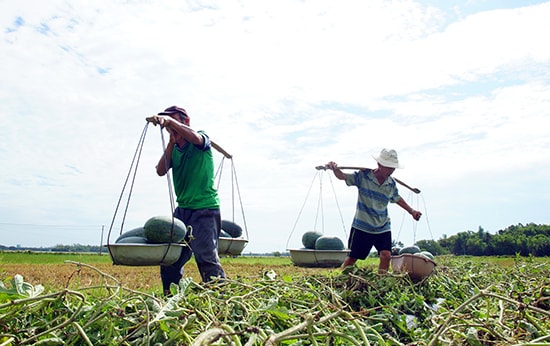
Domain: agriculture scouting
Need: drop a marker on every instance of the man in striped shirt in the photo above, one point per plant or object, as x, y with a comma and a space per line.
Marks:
371, 224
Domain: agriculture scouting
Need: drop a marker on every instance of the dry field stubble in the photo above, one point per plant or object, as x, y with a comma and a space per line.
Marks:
61, 274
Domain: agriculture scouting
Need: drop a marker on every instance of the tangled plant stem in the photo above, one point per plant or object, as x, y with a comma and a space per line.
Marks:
484, 293
358, 307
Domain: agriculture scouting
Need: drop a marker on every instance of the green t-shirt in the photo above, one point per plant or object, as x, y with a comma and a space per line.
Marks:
193, 176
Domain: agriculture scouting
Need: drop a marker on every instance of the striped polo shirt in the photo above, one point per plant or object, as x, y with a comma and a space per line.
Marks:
371, 213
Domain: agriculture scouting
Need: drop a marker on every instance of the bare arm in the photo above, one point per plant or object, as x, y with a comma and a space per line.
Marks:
415, 213
179, 133
177, 129
165, 161
337, 171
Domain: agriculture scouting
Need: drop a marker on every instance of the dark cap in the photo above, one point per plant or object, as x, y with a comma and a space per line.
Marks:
174, 109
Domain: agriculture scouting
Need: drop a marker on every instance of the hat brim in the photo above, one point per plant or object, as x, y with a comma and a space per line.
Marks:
387, 163
174, 112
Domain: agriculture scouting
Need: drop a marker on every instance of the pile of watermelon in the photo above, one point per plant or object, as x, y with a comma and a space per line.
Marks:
314, 240
157, 230
414, 250
230, 230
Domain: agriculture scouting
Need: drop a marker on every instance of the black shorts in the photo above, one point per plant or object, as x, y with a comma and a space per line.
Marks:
360, 243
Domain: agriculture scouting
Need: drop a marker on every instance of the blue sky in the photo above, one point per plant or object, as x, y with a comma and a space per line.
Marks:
461, 89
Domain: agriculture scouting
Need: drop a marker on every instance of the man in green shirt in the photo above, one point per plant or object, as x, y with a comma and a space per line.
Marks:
189, 155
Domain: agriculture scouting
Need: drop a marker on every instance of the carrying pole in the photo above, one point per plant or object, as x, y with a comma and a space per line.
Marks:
413, 189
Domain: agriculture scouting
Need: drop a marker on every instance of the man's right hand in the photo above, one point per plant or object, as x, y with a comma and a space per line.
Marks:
332, 165
152, 120
158, 120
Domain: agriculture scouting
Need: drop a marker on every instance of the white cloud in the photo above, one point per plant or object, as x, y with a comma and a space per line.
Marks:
461, 94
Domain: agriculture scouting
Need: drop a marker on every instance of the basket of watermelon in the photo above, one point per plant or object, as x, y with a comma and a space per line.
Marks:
319, 251
410, 260
158, 242
231, 241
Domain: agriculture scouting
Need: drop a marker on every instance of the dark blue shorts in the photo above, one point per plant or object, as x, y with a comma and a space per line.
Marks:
360, 243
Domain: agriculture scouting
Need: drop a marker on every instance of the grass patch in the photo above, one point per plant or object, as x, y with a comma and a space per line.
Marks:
36, 257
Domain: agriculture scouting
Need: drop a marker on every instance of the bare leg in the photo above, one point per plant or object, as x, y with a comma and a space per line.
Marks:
349, 261
384, 266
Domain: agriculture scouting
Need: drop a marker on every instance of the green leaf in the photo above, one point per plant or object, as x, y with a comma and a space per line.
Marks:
20, 289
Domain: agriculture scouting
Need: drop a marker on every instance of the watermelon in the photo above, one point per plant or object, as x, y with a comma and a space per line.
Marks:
164, 229
224, 234
136, 232
309, 238
329, 243
234, 230
427, 254
395, 250
409, 249
132, 240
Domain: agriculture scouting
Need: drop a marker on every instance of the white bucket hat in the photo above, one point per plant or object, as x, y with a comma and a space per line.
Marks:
388, 158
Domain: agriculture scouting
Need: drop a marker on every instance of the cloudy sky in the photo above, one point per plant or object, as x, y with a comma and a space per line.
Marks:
461, 89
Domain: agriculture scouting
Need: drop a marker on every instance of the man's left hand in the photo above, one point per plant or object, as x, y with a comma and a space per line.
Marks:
416, 214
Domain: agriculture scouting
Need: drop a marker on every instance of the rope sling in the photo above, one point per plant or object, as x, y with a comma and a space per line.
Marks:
318, 175
411, 196
132, 172
320, 207
415, 203
131, 177
234, 185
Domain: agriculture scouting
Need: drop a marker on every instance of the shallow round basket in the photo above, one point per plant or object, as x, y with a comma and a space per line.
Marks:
145, 254
231, 246
418, 267
318, 258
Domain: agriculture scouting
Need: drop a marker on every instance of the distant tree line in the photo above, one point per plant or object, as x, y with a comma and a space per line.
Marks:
57, 248
525, 240
531, 239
